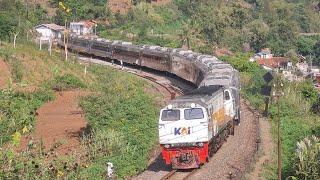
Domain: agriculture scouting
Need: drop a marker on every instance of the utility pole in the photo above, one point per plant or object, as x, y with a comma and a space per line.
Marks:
65, 37
277, 93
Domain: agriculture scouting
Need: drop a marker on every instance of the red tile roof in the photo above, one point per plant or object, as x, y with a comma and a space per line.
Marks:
88, 23
274, 62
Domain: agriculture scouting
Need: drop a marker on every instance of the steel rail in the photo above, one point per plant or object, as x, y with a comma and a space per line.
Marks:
170, 174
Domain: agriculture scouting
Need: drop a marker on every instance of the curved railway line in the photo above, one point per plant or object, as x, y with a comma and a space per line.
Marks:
231, 161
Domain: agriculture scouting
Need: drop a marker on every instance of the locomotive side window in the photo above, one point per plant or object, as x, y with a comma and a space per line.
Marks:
100, 47
194, 113
170, 115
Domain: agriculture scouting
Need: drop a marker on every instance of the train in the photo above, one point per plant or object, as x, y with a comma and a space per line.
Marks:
193, 126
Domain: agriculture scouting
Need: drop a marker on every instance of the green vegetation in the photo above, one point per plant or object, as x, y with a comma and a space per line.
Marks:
14, 63
19, 17
298, 107
307, 158
205, 25
123, 119
66, 82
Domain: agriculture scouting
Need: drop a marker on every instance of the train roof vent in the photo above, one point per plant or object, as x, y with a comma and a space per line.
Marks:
184, 52
191, 56
175, 50
126, 43
207, 59
201, 56
116, 42
164, 49
154, 47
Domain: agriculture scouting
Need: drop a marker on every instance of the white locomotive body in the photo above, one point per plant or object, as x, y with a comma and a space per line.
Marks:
192, 127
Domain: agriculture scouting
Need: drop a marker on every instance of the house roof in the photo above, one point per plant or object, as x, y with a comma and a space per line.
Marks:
265, 51
87, 23
52, 26
274, 62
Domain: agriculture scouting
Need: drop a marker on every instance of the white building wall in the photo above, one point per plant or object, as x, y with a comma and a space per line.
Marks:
80, 29
46, 33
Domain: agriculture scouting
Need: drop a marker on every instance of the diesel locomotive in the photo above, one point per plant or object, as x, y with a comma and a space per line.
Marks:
193, 126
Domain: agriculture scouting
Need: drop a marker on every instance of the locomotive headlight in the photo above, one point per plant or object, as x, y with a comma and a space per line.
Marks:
170, 106
167, 146
200, 144
193, 105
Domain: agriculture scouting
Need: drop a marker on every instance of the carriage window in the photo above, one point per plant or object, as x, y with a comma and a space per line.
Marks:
226, 95
170, 115
194, 113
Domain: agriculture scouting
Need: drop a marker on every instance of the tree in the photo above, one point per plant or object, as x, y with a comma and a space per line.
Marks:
188, 33
305, 45
15, 34
317, 53
283, 35
256, 34
6, 25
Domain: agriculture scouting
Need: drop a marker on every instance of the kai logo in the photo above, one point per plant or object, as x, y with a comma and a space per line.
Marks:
182, 131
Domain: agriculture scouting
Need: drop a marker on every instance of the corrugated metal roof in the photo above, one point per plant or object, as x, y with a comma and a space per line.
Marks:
52, 26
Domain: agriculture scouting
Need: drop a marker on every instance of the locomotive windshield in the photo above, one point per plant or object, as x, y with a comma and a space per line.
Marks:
170, 115
194, 113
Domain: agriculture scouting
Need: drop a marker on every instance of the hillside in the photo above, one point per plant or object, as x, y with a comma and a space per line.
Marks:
206, 25
60, 121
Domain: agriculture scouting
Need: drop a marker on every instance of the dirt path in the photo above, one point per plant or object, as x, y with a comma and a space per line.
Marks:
59, 122
4, 74
267, 150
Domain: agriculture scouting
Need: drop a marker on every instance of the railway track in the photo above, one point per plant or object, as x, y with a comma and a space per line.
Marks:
171, 175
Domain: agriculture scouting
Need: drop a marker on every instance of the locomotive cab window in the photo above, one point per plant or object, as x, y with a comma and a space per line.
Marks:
193, 113
226, 95
170, 115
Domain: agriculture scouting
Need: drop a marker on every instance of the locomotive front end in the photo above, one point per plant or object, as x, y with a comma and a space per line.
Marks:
184, 135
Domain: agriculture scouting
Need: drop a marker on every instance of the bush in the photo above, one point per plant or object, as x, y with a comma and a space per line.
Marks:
66, 82
307, 158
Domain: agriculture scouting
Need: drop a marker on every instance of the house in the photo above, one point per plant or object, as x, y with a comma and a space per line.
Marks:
267, 61
49, 31
264, 54
83, 28
275, 63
